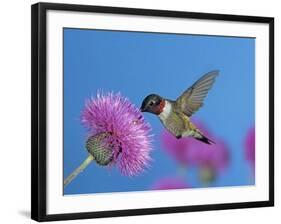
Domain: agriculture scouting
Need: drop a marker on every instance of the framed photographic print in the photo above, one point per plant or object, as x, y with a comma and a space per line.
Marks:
139, 111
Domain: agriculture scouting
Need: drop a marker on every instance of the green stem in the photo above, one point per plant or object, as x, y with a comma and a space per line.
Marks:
78, 170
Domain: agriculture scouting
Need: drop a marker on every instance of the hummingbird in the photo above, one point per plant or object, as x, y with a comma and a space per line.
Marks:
175, 114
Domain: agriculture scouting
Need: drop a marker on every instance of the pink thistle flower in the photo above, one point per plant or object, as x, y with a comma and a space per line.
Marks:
211, 159
189, 151
215, 156
175, 147
169, 183
126, 136
249, 146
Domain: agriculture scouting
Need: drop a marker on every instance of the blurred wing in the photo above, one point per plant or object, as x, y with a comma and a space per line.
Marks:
192, 99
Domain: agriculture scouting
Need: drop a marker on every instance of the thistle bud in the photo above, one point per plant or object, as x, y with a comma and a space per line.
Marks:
100, 149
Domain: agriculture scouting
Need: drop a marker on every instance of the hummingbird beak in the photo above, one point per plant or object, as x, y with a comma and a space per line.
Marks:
142, 109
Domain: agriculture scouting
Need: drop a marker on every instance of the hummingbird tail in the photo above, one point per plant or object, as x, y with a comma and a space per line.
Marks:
204, 139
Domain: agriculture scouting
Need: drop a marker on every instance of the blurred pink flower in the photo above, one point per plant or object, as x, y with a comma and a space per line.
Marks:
169, 183
215, 156
175, 147
190, 151
249, 146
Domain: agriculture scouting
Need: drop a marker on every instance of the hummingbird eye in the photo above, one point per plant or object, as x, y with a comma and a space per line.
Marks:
151, 103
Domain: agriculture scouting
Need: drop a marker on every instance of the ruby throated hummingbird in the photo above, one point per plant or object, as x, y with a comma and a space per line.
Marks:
175, 115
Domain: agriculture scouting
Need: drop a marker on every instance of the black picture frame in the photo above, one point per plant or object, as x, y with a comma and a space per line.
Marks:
38, 116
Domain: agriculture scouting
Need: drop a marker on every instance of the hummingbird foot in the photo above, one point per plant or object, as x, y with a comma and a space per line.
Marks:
178, 136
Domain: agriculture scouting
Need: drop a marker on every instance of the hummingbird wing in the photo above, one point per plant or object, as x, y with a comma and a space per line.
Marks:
192, 99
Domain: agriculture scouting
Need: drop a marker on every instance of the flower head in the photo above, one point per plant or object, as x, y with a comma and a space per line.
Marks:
175, 147
169, 183
249, 146
121, 128
190, 151
215, 156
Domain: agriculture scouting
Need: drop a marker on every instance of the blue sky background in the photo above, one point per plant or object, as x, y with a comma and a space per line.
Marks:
137, 64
